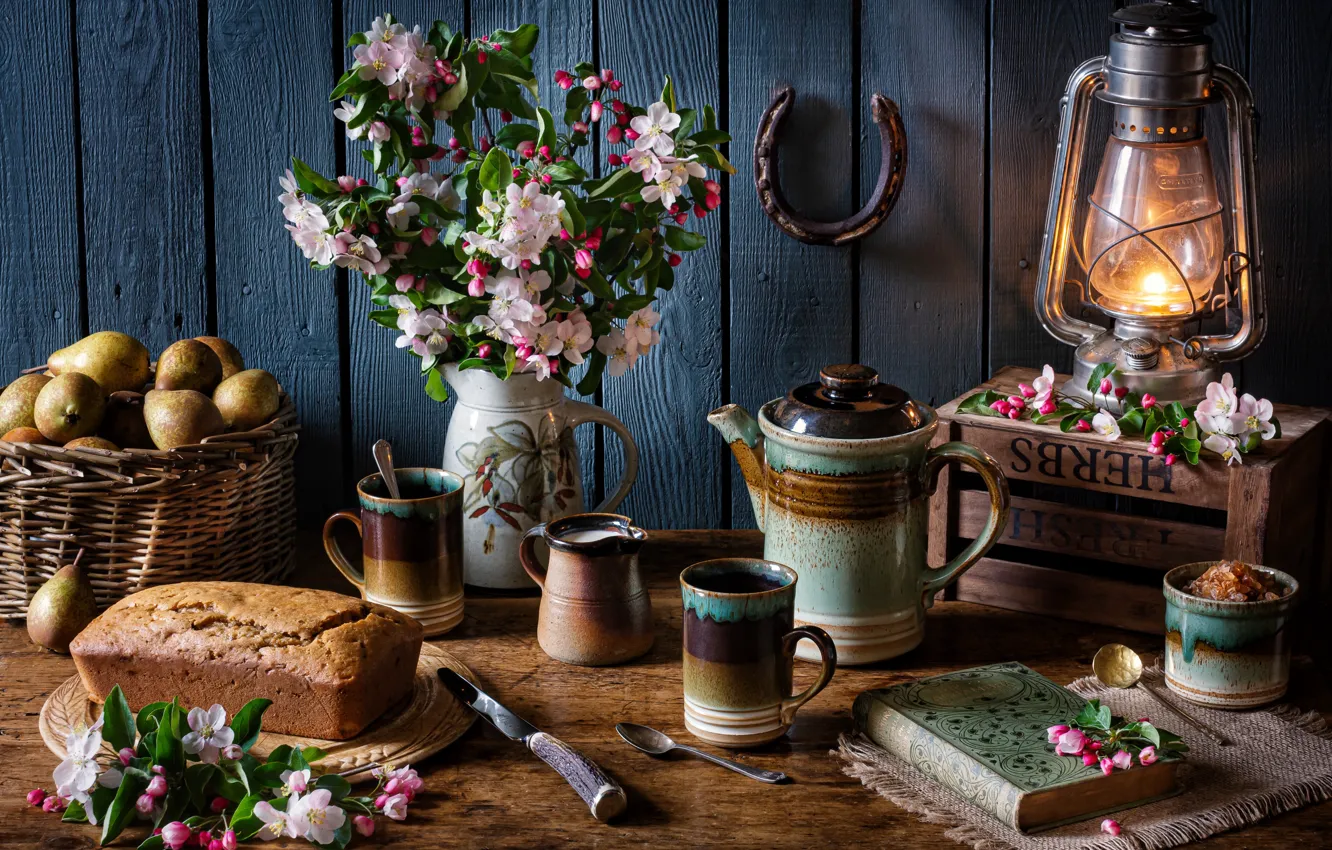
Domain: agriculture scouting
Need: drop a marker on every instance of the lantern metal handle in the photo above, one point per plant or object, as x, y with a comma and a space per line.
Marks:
892, 170
1238, 99
1073, 110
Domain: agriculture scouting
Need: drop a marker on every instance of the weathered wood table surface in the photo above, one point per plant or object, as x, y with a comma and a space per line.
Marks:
486, 791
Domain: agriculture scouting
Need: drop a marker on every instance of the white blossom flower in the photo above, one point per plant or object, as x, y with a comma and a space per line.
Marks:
666, 190
315, 243
1105, 424
378, 131
315, 817
508, 306
621, 352
79, 769
402, 209
345, 112
277, 824
1256, 414
209, 733
546, 343
395, 807
534, 283
683, 169
645, 162
640, 328
291, 192
378, 60
521, 201
382, 30
652, 128
1218, 412
1226, 446
576, 334
432, 336
1044, 386
295, 781
358, 252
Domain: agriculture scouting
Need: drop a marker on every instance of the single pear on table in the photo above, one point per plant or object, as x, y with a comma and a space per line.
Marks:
116, 361
123, 424
188, 365
18, 400
61, 608
180, 417
247, 399
69, 407
232, 362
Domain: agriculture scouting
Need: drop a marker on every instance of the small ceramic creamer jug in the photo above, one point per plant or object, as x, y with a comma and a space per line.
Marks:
595, 609
840, 473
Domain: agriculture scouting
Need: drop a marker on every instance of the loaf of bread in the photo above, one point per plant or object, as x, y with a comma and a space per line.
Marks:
330, 663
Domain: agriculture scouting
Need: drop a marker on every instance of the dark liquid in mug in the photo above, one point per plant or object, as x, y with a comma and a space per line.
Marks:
408, 491
735, 583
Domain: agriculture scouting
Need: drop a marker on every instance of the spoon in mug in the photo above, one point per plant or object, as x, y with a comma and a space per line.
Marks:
655, 743
383, 453
1117, 666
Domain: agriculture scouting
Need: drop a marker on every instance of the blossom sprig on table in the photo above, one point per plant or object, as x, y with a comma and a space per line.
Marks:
517, 259
1111, 743
191, 776
1225, 422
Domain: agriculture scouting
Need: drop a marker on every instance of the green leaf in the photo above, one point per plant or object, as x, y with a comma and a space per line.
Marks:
545, 129
117, 720
334, 784
148, 717
520, 41
74, 813
1176, 413
456, 93
153, 842
683, 240
709, 117
387, 318
1094, 716
712, 157
596, 363
622, 182
710, 137
1148, 731
246, 723
312, 754
687, 119
1131, 423
244, 821
310, 181
367, 107
511, 135
979, 403
1068, 423
1277, 423
435, 387
197, 779
668, 93
280, 754
575, 103
121, 810
572, 215
170, 753
496, 171
1102, 370
566, 172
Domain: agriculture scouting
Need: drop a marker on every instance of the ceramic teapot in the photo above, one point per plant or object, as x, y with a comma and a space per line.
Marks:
840, 473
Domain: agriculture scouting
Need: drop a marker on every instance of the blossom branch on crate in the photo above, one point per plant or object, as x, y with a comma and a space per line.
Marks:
517, 260
1225, 423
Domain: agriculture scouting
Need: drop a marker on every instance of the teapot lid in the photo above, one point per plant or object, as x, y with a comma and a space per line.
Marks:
848, 402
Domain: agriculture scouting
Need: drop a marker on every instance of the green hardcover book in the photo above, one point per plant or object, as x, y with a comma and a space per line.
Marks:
982, 733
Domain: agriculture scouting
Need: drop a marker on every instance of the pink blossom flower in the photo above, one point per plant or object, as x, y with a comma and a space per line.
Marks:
1107, 766
1122, 760
1071, 743
652, 130
1148, 754
395, 807
1148, 401
364, 824
1110, 826
592, 82
175, 834
1043, 384
1052, 734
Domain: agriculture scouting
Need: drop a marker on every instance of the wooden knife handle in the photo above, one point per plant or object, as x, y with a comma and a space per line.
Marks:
603, 796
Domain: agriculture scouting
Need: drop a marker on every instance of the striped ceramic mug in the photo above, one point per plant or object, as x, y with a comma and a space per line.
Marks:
411, 547
739, 648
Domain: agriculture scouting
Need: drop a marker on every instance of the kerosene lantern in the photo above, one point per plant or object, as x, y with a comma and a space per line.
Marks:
1151, 238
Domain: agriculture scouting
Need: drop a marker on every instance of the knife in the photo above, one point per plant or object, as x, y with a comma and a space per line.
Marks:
603, 796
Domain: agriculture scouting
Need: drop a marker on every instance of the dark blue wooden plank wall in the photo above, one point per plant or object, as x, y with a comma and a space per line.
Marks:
140, 176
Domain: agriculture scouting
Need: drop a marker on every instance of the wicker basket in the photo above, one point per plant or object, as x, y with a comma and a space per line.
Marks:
222, 510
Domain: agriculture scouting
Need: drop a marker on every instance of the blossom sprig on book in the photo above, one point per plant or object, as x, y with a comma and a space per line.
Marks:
1112, 743
1225, 422
191, 777
518, 259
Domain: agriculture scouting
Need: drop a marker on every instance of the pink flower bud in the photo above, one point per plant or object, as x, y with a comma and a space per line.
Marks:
1158, 438
364, 824
429, 235
607, 75
145, 803
583, 258
459, 156
175, 834
545, 151
681, 218
454, 144
1047, 407
53, 803
484, 145
674, 259
580, 127
497, 47
480, 58
547, 179
1106, 386
1026, 390
583, 274
392, 786
561, 76
700, 211
346, 182
216, 844
1184, 423
615, 135
1156, 450
157, 787
476, 287
594, 112
1017, 401
622, 119
506, 116
554, 365
158, 769
483, 350
615, 159
1015, 413
713, 187
204, 838
1095, 745
1107, 766
418, 136
1148, 754
617, 106
361, 181
591, 82
450, 78
1170, 459
564, 234
218, 805
1089, 759
593, 242
373, 227
631, 134
1122, 759
523, 352
627, 206
566, 83
1110, 826
1083, 425
404, 282
527, 149
712, 200
381, 800
229, 840
615, 85
526, 264
1148, 400
36, 796
126, 755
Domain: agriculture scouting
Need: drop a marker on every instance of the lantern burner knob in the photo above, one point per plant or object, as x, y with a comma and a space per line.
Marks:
1140, 353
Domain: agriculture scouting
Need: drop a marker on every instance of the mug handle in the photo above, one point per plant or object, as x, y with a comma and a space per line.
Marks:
334, 551
582, 412
932, 581
828, 658
527, 554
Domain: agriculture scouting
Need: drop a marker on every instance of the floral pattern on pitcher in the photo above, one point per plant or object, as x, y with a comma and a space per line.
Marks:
514, 472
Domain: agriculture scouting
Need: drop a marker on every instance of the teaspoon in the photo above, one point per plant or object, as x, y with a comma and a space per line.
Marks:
1117, 666
656, 743
383, 453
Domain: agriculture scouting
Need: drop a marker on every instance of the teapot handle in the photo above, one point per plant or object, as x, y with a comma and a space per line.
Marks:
581, 412
932, 581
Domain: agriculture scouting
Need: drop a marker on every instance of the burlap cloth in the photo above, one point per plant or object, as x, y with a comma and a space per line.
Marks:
1281, 760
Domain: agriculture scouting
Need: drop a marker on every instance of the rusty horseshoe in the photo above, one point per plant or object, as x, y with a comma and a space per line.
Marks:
892, 170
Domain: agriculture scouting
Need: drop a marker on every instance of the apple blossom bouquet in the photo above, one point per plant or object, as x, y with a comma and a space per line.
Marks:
191, 777
1113, 743
516, 259
1225, 422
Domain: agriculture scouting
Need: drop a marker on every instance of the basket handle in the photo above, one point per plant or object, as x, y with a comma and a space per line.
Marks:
334, 551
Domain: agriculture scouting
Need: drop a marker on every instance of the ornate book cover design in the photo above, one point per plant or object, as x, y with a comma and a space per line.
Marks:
982, 733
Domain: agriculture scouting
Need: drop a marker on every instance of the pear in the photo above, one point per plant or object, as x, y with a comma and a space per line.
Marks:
68, 407
93, 443
25, 435
180, 417
188, 365
61, 608
226, 352
247, 399
123, 424
18, 400
114, 360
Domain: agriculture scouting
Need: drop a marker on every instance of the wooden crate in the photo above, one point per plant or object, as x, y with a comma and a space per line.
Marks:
1095, 524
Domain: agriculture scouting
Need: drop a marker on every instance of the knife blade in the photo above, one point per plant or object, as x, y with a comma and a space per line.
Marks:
604, 797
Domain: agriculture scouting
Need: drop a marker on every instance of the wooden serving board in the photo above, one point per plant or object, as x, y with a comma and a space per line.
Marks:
423, 724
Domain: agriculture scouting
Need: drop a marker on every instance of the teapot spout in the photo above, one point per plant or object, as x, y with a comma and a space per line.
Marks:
746, 441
